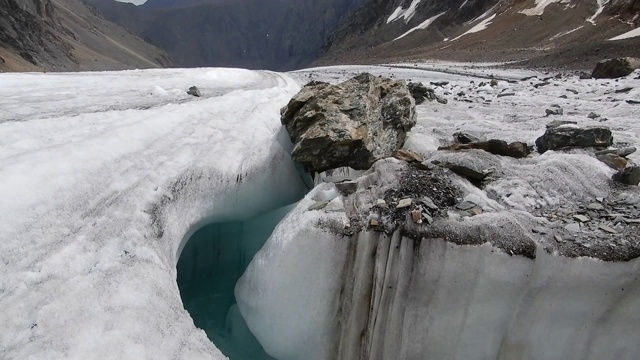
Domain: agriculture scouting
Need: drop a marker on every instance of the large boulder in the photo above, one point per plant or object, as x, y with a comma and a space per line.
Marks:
615, 68
353, 124
568, 136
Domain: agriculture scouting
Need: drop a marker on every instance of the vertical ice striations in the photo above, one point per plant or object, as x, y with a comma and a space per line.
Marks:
326, 287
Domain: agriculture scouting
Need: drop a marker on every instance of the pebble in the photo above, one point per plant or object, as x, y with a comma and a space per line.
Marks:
581, 218
607, 229
595, 206
404, 203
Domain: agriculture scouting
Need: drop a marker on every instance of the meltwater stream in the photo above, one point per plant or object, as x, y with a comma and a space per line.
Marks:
211, 263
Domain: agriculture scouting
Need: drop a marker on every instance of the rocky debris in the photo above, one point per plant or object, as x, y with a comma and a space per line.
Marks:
613, 161
439, 83
615, 68
574, 91
194, 91
629, 175
623, 90
421, 93
593, 115
584, 75
632, 102
624, 152
505, 94
352, 124
465, 171
564, 136
556, 123
346, 187
554, 110
496, 147
539, 85
604, 228
465, 138
403, 203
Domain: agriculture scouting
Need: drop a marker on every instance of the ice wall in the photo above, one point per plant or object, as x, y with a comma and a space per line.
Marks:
312, 293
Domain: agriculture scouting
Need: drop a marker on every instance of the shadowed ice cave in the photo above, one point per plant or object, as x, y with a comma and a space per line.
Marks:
211, 263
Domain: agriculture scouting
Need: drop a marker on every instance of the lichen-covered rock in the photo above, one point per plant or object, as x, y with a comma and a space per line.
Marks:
563, 137
352, 124
615, 68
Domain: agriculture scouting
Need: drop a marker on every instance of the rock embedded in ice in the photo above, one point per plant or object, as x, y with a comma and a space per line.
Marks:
465, 138
558, 123
194, 91
353, 124
613, 161
615, 68
556, 138
555, 110
629, 175
593, 115
624, 152
496, 147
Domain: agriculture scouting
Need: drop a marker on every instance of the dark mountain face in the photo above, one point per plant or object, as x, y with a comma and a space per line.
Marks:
266, 34
65, 35
569, 33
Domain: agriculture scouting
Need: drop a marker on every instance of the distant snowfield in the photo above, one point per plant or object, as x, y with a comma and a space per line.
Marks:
407, 13
627, 35
541, 5
104, 175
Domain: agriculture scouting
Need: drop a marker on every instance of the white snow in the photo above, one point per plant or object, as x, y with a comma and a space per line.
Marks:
564, 33
627, 35
463, 4
422, 26
102, 177
477, 28
407, 13
601, 5
540, 6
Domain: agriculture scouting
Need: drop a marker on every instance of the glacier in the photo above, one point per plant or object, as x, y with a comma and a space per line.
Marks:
108, 178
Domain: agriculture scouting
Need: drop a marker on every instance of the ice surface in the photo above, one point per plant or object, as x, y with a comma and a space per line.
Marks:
101, 177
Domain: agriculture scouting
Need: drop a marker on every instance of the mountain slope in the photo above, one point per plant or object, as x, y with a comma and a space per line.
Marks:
555, 32
66, 35
275, 34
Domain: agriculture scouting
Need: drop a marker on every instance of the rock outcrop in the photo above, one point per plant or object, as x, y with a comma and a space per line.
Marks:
352, 124
568, 136
615, 68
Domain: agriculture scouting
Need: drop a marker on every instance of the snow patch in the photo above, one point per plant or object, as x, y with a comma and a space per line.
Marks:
540, 6
627, 35
601, 5
479, 27
422, 26
407, 13
557, 36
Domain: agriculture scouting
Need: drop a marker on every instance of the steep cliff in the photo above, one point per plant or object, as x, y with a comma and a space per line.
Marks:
66, 35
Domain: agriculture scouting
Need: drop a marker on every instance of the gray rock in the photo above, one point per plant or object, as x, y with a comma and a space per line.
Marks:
615, 68
613, 161
623, 90
573, 228
581, 218
506, 94
555, 110
496, 147
595, 206
466, 205
569, 137
573, 91
607, 229
624, 152
319, 205
556, 123
194, 91
593, 115
584, 75
352, 124
466, 171
347, 187
629, 175
465, 138
429, 203
404, 203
